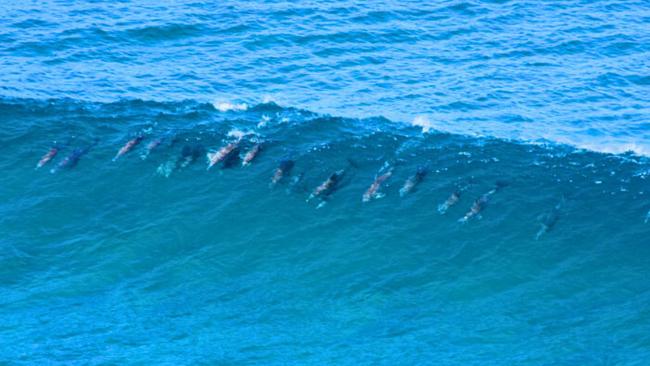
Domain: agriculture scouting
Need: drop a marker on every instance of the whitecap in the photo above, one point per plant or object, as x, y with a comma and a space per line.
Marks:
239, 134
424, 122
227, 106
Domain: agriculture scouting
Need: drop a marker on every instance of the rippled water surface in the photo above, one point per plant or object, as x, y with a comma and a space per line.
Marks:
572, 72
523, 127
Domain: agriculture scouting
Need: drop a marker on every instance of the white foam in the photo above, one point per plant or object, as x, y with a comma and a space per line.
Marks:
615, 148
536, 134
227, 106
264, 121
424, 122
239, 134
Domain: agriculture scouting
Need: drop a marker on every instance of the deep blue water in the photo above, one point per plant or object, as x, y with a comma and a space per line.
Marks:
535, 115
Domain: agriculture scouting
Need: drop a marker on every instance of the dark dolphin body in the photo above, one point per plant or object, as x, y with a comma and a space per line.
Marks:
476, 208
414, 180
548, 220
283, 169
189, 154
482, 201
329, 186
72, 159
231, 159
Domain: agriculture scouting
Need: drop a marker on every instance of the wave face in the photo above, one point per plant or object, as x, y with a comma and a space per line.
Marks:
124, 262
572, 72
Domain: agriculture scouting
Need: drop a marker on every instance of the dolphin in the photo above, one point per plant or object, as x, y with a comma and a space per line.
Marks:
451, 200
251, 154
49, 155
372, 191
413, 181
128, 146
154, 144
482, 201
328, 186
189, 154
52, 152
72, 159
476, 208
283, 169
548, 220
218, 156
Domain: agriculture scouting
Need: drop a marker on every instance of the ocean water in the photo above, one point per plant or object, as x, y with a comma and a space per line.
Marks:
525, 239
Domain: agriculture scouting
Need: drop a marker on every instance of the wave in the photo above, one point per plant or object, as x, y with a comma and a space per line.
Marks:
601, 144
183, 201
266, 158
508, 132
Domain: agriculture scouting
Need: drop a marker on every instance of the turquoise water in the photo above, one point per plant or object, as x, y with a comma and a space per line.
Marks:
535, 115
